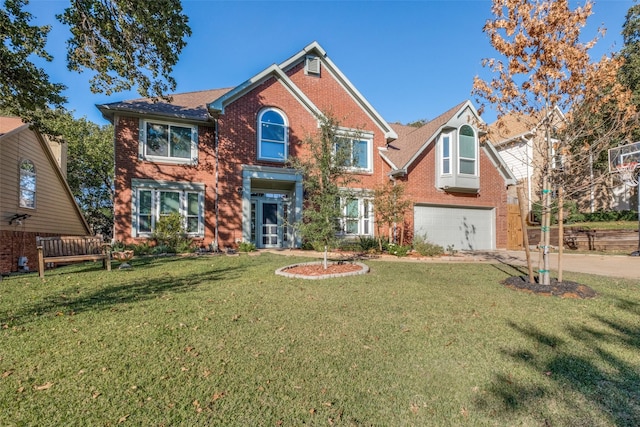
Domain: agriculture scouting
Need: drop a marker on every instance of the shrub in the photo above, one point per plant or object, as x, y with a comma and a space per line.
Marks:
398, 250
368, 244
246, 247
143, 248
169, 231
426, 248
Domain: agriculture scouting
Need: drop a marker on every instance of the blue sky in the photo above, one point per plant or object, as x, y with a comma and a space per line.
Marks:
411, 59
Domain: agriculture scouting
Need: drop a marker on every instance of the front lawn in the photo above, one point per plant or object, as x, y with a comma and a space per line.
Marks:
224, 341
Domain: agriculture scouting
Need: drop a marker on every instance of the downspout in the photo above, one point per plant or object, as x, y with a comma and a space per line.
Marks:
216, 180
214, 114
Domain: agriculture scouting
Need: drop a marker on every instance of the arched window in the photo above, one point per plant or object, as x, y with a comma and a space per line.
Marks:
272, 135
27, 184
467, 151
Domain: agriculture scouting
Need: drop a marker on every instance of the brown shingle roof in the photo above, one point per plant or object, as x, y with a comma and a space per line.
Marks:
510, 126
7, 124
190, 105
412, 140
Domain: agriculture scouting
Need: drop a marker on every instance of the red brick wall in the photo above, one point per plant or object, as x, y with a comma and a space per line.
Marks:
421, 180
14, 244
237, 146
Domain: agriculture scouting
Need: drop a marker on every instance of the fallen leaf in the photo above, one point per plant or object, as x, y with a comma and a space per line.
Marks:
5, 374
96, 395
44, 386
20, 390
217, 396
123, 418
415, 408
312, 411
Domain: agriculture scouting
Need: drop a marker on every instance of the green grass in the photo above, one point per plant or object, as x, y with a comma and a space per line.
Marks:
223, 341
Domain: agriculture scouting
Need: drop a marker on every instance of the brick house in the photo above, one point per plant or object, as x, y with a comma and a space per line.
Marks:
458, 186
35, 199
218, 158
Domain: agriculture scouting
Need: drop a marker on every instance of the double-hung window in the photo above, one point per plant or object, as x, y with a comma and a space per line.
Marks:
153, 200
356, 216
354, 152
168, 142
27, 184
272, 136
467, 151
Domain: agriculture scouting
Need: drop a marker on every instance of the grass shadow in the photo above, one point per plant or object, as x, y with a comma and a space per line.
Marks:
586, 368
123, 288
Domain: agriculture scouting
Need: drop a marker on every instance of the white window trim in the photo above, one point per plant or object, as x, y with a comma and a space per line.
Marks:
142, 144
159, 186
286, 136
361, 218
476, 159
441, 151
358, 135
20, 187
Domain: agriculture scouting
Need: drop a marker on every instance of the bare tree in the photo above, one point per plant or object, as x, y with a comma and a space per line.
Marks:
544, 65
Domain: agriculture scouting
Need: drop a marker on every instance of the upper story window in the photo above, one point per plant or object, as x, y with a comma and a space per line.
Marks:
272, 136
467, 151
27, 184
168, 142
354, 152
445, 154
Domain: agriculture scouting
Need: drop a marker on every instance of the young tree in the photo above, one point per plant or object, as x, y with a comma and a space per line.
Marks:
390, 205
544, 65
126, 43
325, 167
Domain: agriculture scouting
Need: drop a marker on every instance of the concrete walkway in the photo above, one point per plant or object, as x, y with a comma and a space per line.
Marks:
622, 266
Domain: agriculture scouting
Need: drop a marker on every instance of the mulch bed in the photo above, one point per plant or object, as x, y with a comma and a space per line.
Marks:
319, 270
564, 289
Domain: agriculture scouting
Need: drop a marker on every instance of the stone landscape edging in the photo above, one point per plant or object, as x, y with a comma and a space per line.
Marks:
364, 269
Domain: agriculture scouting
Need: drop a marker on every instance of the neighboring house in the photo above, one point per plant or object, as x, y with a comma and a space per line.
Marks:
218, 158
35, 199
458, 185
520, 140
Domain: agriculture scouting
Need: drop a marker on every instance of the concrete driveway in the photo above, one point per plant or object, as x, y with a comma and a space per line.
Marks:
623, 266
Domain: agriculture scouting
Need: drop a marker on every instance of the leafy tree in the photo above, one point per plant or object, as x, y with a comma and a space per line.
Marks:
390, 205
126, 43
90, 167
544, 66
324, 165
630, 70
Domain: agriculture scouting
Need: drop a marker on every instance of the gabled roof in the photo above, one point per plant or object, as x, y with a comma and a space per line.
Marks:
11, 125
275, 71
279, 72
198, 106
190, 106
517, 125
412, 142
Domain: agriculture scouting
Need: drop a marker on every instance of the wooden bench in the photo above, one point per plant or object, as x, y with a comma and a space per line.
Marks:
63, 249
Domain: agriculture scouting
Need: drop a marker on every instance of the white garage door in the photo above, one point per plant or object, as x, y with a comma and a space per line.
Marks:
463, 228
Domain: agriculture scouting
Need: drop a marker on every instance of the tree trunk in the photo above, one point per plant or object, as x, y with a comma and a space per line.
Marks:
525, 235
560, 231
324, 263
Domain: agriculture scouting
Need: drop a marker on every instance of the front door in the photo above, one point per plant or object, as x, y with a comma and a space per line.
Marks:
269, 219
270, 225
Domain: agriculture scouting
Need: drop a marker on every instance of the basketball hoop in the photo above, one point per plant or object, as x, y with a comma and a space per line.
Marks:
626, 172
